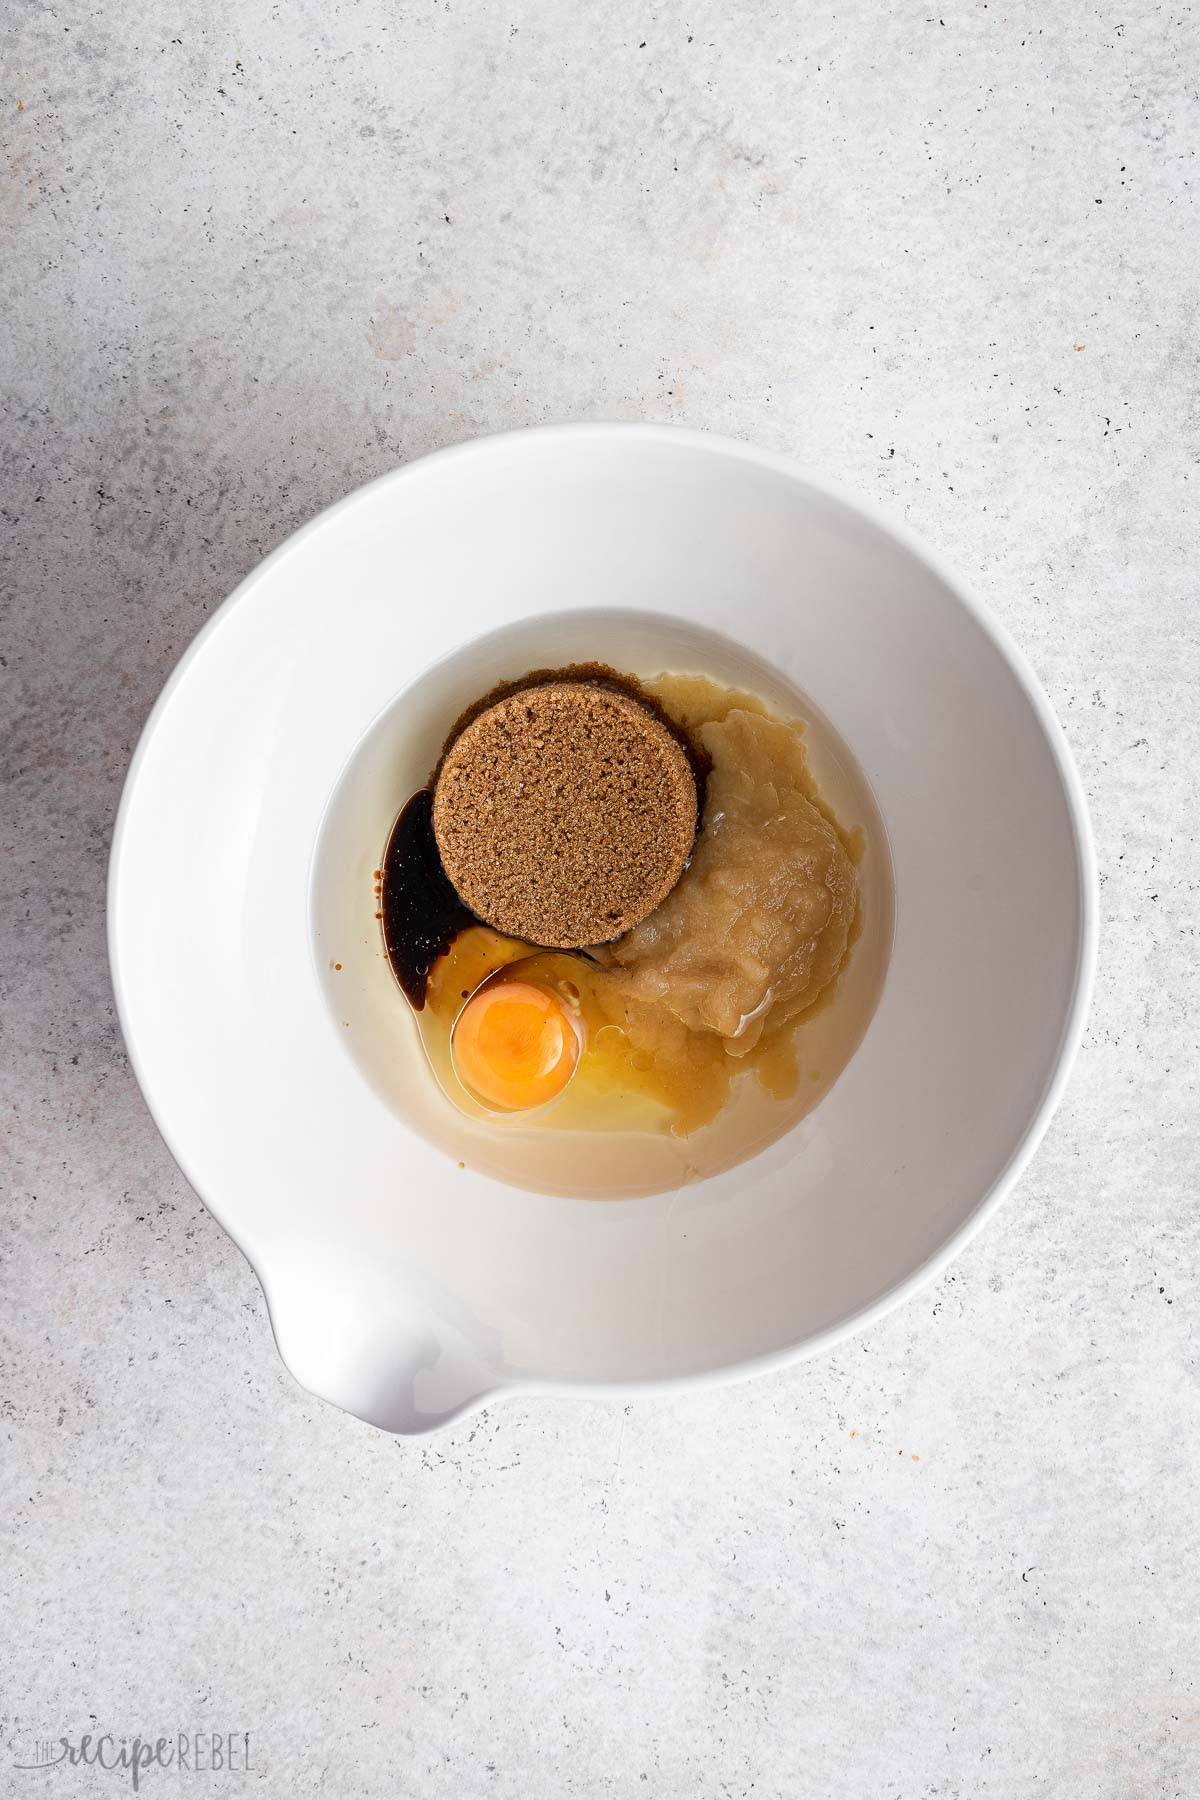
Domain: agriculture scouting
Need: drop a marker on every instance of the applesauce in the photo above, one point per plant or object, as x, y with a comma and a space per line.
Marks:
757, 929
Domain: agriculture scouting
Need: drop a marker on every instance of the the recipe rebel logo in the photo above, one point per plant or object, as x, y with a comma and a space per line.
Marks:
216, 1753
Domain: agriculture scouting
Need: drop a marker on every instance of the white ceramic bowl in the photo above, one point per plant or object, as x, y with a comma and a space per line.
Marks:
404, 1289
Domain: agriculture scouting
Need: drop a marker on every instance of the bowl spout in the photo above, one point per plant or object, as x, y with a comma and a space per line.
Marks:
382, 1357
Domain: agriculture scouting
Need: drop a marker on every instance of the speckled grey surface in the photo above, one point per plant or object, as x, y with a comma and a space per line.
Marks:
256, 254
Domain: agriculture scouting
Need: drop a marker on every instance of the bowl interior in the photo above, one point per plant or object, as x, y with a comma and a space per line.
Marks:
374, 1023
401, 1287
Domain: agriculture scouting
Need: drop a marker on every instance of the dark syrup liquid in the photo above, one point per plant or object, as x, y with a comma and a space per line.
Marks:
422, 913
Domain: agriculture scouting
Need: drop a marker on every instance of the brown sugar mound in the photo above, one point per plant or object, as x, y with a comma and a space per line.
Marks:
565, 814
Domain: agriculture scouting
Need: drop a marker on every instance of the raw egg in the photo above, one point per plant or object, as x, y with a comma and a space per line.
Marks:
515, 1045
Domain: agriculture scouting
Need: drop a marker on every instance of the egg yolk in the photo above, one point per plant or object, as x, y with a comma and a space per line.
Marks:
514, 1045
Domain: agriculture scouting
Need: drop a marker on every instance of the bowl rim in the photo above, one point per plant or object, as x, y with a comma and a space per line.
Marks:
866, 510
